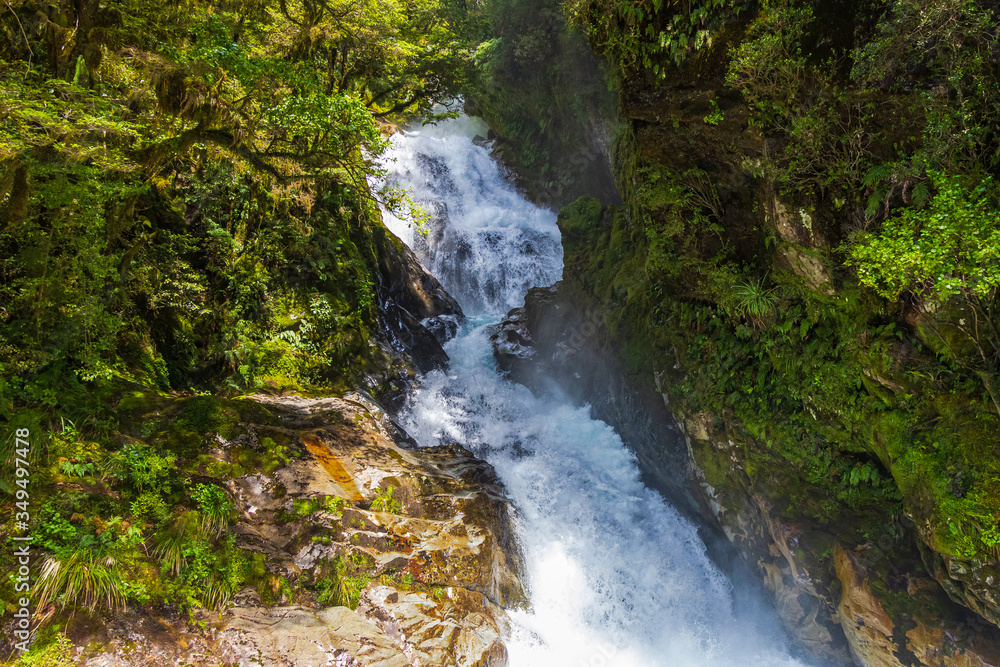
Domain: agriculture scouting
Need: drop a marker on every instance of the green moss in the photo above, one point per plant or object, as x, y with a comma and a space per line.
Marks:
580, 220
207, 414
796, 394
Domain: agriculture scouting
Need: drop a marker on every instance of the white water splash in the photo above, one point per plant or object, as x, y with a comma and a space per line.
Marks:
616, 577
486, 244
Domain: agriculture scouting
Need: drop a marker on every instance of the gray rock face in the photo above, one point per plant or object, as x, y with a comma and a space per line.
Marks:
411, 303
443, 327
513, 348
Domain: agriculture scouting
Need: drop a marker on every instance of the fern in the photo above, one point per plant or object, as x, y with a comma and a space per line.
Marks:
876, 174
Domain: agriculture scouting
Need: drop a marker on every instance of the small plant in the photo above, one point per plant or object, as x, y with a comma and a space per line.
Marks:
714, 116
150, 506
861, 473
85, 577
58, 653
751, 300
74, 468
141, 466
347, 578
169, 548
334, 505
215, 507
384, 502
302, 507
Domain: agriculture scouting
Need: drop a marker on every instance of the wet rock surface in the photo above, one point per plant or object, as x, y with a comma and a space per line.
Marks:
871, 602
417, 545
415, 313
916, 636
512, 345
443, 327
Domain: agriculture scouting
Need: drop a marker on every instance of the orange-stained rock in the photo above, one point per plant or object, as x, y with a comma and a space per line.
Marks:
431, 561
876, 639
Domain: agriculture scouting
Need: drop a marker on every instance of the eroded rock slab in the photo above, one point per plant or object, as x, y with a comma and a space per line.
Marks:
377, 553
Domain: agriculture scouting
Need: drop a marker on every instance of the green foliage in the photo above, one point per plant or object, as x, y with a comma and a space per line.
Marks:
76, 468
185, 189
828, 131
751, 300
941, 54
141, 466
88, 565
57, 653
949, 249
769, 65
862, 473
680, 215
215, 507
715, 116
151, 507
848, 406
947, 252
384, 502
304, 506
346, 579
203, 571
951, 37
82, 579
652, 33
213, 573
541, 88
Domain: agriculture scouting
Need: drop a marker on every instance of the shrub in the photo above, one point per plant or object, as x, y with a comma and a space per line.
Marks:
141, 466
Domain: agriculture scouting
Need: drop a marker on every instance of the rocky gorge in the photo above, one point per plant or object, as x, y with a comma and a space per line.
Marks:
703, 374
714, 320
715, 317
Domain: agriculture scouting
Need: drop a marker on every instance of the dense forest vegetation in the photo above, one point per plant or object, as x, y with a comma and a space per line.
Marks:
184, 186
185, 207
807, 250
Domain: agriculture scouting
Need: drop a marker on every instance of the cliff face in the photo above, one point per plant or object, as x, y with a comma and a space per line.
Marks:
853, 589
411, 305
549, 101
839, 440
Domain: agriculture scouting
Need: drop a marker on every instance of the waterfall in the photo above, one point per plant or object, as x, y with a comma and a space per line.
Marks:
616, 577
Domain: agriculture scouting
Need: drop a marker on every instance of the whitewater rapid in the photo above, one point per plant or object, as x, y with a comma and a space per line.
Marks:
615, 576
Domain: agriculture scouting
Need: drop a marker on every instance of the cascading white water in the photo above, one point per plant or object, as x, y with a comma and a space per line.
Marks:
485, 243
615, 575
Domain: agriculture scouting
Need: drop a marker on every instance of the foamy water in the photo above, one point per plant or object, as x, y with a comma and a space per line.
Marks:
615, 576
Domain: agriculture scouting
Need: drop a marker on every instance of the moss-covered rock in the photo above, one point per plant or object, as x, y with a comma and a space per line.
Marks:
317, 503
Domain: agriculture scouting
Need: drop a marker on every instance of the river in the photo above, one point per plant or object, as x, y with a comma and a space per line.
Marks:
615, 575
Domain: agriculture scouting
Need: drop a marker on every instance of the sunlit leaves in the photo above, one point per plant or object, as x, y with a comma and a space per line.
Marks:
950, 248
175, 179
